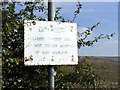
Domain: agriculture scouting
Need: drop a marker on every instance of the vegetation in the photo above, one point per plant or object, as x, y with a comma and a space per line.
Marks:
16, 75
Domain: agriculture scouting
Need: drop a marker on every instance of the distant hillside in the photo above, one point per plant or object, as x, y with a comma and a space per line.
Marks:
110, 68
107, 69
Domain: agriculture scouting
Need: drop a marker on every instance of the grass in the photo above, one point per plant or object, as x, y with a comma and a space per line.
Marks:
0, 72
109, 71
0, 58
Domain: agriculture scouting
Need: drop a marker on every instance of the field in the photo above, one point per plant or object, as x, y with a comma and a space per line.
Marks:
109, 71
0, 72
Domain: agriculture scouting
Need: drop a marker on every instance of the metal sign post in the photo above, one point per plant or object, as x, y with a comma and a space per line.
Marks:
50, 43
50, 68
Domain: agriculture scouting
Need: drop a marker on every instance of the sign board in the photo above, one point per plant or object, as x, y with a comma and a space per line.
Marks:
50, 43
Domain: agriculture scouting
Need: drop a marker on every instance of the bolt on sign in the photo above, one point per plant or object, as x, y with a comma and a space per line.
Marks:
50, 43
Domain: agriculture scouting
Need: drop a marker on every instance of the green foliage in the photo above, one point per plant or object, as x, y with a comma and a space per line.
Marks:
15, 74
77, 11
82, 42
83, 76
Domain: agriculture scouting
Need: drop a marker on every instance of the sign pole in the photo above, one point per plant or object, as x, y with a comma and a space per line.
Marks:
50, 67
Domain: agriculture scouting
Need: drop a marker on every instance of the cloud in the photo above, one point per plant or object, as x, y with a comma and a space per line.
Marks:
108, 43
82, 30
108, 48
